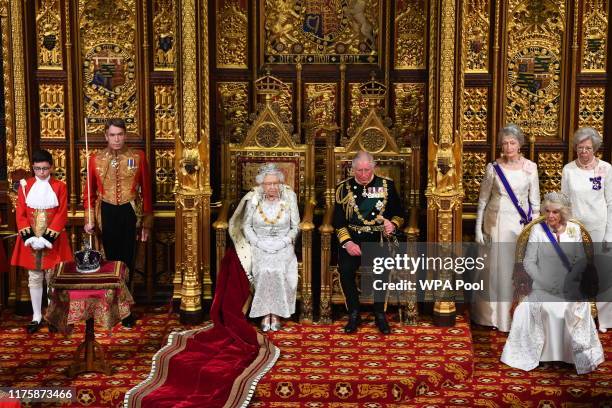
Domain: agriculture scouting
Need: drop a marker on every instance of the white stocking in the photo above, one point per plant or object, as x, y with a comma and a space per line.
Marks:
36, 297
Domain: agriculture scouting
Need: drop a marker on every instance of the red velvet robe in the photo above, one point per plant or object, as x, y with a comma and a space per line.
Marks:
25, 256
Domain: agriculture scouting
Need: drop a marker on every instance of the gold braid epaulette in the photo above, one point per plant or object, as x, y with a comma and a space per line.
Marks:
347, 201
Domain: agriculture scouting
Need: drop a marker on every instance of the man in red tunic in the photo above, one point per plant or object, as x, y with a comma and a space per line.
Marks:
119, 193
42, 210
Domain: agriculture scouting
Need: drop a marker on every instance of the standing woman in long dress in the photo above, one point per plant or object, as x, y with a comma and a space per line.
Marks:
509, 195
587, 181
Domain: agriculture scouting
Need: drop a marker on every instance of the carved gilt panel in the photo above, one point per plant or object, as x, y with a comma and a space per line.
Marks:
533, 84
410, 34
594, 35
591, 108
164, 38
165, 112
474, 165
165, 175
550, 166
233, 108
476, 40
409, 112
232, 33
59, 163
49, 34
475, 114
51, 111
107, 36
320, 102
321, 31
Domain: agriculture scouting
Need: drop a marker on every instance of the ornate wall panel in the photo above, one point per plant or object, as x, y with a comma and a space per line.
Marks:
51, 111
550, 166
321, 31
591, 108
233, 109
82, 166
476, 30
474, 165
164, 257
320, 102
165, 175
409, 112
474, 123
535, 33
164, 38
49, 34
59, 163
358, 108
165, 112
410, 34
594, 35
108, 38
232, 33
283, 102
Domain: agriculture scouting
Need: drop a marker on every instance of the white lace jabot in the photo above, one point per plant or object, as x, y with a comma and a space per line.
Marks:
41, 196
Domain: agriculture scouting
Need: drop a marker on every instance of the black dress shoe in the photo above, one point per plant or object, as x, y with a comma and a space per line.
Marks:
128, 322
34, 326
354, 320
381, 322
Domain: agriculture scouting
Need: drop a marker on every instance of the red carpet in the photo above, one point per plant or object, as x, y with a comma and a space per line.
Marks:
322, 364
39, 360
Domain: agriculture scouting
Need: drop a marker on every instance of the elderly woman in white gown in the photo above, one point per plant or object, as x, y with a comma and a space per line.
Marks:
546, 326
509, 195
587, 181
264, 228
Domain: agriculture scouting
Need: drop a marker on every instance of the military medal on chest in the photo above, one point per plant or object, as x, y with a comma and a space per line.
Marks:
114, 163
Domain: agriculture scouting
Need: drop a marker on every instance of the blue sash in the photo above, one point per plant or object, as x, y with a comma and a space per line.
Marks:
525, 218
555, 244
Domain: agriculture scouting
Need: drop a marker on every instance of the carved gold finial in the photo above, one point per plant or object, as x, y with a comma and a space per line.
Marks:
268, 85
373, 91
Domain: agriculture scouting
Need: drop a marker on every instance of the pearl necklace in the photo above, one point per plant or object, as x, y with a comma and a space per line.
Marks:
589, 166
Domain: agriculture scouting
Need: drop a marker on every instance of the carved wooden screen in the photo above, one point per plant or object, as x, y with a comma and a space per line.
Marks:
322, 50
93, 60
541, 64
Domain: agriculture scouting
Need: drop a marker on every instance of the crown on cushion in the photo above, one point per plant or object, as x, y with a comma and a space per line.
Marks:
87, 260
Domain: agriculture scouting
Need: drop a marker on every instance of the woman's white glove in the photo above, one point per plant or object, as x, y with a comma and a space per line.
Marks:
479, 238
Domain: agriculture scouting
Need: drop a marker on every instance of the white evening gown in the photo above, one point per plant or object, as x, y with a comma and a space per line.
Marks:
275, 276
501, 227
592, 205
545, 327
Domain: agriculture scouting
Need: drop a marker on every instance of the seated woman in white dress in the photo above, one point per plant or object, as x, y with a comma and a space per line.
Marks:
587, 181
264, 228
546, 327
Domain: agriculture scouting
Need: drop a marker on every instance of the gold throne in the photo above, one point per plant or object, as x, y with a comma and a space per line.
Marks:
398, 163
269, 139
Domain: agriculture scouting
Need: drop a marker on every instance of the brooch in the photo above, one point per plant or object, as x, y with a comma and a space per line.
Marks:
596, 182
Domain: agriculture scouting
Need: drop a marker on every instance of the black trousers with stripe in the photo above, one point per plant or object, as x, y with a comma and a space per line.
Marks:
119, 234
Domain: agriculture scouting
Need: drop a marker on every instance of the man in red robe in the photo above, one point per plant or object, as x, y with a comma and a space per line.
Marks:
41, 212
117, 198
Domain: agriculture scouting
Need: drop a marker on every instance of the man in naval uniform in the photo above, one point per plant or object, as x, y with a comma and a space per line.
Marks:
41, 213
367, 209
119, 193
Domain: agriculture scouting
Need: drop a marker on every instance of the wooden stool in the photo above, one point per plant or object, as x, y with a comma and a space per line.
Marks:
93, 358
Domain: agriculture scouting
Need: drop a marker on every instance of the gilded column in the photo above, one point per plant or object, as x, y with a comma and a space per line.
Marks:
189, 170
18, 164
444, 187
